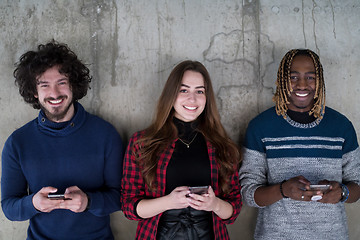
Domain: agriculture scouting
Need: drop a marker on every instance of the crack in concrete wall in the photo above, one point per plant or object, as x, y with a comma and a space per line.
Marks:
333, 18
95, 11
303, 21
224, 49
314, 26
91, 10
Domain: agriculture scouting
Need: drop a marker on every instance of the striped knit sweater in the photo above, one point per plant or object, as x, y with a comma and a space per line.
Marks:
277, 149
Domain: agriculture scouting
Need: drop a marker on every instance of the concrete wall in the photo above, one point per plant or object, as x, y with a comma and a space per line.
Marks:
132, 45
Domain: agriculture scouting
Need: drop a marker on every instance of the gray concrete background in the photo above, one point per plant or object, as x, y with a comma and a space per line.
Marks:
132, 45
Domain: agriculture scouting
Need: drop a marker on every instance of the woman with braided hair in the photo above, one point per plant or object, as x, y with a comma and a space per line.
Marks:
294, 145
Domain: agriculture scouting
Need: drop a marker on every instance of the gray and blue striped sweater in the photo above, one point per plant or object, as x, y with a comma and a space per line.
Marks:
277, 149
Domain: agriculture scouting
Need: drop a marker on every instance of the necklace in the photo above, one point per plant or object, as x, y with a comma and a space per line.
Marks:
188, 144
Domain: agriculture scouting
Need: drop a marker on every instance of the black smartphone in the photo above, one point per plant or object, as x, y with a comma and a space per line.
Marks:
199, 190
56, 196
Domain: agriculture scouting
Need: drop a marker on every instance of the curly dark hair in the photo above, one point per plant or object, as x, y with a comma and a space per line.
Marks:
33, 64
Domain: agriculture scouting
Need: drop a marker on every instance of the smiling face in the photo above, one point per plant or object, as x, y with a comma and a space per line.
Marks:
191, 99
303, 80
55, 95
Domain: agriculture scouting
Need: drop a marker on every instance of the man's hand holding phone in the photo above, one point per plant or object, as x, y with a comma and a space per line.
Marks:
43, 203
75, 200
333, 194
48, 199
320, 189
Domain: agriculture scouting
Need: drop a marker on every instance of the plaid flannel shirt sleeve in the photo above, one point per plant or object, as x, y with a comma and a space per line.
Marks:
133, 185
233, 197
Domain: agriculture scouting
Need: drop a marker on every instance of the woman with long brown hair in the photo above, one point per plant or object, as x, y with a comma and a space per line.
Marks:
186, 146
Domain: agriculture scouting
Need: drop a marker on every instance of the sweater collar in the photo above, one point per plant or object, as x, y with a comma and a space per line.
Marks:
298, 124
62, 128
301, 117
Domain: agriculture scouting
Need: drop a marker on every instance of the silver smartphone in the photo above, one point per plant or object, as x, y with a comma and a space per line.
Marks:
320, 187
199, 190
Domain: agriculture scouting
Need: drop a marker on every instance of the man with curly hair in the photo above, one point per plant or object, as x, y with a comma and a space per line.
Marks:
64, 151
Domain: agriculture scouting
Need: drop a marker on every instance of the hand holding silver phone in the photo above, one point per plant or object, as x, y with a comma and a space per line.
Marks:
318, 187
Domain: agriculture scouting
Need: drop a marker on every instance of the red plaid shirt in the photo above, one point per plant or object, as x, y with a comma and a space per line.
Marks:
134, 189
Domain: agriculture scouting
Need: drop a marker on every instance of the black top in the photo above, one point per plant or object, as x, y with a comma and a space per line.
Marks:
188, 166
301, 117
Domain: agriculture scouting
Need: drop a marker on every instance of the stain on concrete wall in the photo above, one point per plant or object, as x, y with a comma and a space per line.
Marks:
236, 59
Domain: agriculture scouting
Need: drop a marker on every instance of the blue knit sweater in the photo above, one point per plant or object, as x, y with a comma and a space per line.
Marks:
277, 149
85, 152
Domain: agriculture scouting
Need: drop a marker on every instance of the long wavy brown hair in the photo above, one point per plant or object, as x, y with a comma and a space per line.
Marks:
162, 131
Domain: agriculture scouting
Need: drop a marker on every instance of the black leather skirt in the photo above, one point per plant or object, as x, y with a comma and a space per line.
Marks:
185, 224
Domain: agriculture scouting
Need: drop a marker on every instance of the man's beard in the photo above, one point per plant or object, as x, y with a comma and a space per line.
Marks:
56, 115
